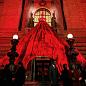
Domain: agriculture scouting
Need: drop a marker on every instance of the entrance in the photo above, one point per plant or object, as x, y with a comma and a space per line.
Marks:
41, 70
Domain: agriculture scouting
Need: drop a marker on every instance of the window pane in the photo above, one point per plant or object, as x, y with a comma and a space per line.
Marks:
47, 13
44, 12
49, 24
39, 15
43, 16
40, 12
36, 18
47, 18
35, 24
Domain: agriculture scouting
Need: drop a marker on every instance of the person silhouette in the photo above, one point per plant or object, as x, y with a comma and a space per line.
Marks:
20, 75
74, 75
64, 75
53, 74
2, 72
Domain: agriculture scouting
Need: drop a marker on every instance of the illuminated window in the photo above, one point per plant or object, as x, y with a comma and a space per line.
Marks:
42, 58
46, 15
46, 63
39, 63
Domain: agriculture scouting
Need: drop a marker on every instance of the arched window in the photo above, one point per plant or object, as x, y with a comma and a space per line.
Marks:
46, 14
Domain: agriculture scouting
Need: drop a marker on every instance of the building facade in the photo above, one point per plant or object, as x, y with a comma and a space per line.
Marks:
66, 16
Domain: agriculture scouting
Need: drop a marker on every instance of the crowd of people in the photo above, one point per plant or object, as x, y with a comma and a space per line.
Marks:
71, 77
10, 75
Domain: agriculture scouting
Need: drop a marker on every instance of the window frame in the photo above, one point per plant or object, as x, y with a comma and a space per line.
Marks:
39, 14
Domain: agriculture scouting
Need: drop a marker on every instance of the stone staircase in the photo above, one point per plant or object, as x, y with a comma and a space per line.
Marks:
84, 7
81, 46
41, 83
80, 42
5, 46
5, 42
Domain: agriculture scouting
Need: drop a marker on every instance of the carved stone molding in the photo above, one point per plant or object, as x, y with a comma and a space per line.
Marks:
42, 3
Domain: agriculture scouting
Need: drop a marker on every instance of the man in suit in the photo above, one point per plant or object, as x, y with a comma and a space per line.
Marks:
64, 76
53, 74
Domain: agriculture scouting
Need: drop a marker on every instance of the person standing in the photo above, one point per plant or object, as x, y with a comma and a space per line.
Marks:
84, 75
8, 76
74, 76
53, 74
2, 72
20, 75
64, 76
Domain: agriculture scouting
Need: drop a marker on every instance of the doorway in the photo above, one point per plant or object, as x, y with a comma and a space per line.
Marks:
42, 69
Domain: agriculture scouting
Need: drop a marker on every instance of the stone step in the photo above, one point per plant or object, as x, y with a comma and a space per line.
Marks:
10, 34
3, 52
79, 44
45, 83
5, 45
31, 83
80, 40
1, 56
81, 48
83, 52
77, 39
5, 40
84, 56
4, 49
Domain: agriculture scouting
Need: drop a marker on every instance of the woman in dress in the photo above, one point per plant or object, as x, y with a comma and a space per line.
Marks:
74, 76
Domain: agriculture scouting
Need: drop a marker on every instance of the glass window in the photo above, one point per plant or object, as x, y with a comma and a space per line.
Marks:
49, 24
35, 24
42, 13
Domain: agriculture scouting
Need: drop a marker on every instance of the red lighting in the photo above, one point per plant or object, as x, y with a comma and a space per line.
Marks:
46, 63
38, 73
45, 71
42, 40
42, 18
39, 63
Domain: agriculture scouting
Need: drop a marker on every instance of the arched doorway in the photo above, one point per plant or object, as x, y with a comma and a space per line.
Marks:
46, 14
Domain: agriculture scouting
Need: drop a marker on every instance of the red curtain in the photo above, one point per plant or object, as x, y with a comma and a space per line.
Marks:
41, 40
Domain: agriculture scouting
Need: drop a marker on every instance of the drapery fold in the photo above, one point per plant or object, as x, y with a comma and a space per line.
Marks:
42, 40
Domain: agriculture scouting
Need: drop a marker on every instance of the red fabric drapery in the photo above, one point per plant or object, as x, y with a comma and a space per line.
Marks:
41, 40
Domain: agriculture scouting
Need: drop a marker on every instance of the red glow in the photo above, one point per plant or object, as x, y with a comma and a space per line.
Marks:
45, 71
39, 63
38, 73
46, 63
80, 78
41, 40
42, 18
